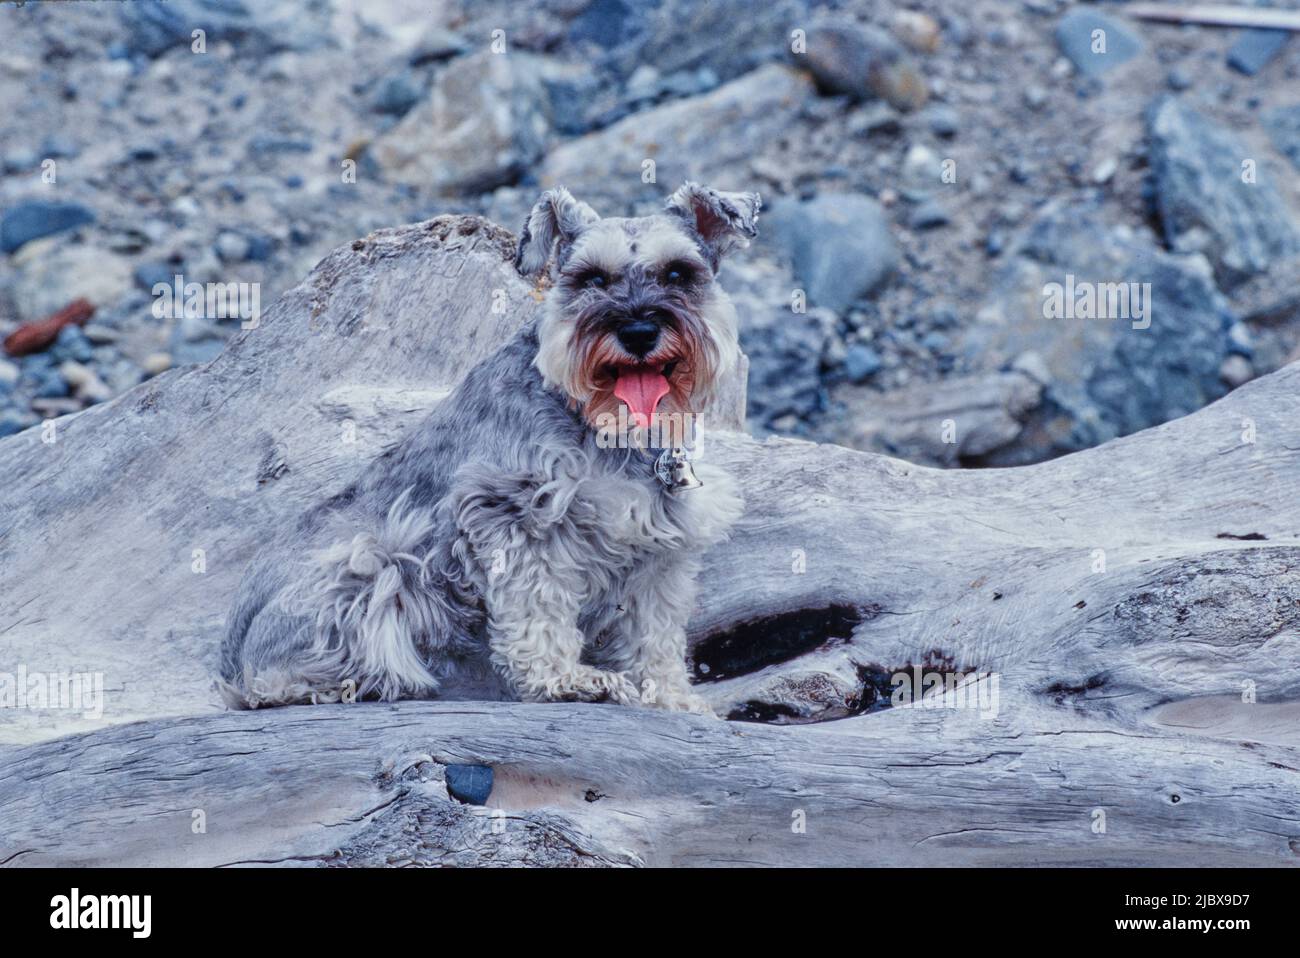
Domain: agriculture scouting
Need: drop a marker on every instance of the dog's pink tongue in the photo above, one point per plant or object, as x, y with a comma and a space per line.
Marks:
641, 387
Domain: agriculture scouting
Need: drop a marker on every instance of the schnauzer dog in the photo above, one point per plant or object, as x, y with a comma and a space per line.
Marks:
507, 541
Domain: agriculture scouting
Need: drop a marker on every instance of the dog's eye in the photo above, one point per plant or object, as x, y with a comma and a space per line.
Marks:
678, 274
593, 280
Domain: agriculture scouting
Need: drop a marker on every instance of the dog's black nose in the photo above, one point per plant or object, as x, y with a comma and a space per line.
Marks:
639, 336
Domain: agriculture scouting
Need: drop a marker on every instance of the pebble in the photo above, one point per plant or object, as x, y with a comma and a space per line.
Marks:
397, 94
232, 247
861, 362
928, 215
1240, 340
471, 784
1236, 370
1075, 35
34, 219
1178, 79
85, 382
156, 363
1104, 171
918, 30
1255, 49
72, 344
51, 385
935, 342
149, 275
75, 374
944, 120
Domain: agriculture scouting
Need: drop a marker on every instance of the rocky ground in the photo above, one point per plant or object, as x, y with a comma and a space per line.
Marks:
928, 168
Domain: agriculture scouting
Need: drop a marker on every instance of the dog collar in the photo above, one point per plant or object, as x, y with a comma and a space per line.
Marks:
673, 469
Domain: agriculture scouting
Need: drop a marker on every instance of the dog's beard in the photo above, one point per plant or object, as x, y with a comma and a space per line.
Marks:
658, 396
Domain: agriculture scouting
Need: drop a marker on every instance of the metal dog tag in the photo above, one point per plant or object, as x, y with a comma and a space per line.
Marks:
673, 469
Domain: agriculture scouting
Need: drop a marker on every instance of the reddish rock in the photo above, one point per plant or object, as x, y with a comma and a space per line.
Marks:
33, 337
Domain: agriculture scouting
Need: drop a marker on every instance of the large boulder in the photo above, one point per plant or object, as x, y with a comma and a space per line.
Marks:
257, 26
1209, 200
711, 138
839, 245
678, 35
483, 125
1106, 374
862, 62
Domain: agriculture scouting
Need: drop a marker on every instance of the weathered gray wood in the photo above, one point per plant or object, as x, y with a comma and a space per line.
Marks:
578, 785
1119, 687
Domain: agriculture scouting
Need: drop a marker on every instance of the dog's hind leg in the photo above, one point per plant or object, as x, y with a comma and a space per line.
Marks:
277, 665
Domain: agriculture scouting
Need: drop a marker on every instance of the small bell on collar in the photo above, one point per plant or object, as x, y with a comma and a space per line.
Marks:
673, 469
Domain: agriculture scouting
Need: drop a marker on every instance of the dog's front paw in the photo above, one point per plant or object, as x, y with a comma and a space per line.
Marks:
588, 684
675, 699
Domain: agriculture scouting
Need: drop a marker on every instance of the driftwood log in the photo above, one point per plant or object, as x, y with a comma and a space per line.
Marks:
1126, 617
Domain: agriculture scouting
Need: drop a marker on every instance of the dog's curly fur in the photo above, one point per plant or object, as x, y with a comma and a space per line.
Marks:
502, 541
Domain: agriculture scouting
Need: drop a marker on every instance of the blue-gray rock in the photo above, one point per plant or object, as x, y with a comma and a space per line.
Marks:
436, 45
935, 342
256, 27
605, 22
944, 120
575, 101
51, 385
471, 784
839, 245
1109, 375
1204, 202
148, 275
267, 145
928, 215
20, 160
1283, 125
232, 247
35, 365
1240, 340
72, 344
784, 366
397, 94
861, 362
11, 422
1255, 48
37, 218
259, 248
676, 35
1096, 53
59, 147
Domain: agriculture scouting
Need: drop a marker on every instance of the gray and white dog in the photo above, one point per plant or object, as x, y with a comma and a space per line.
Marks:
507, 541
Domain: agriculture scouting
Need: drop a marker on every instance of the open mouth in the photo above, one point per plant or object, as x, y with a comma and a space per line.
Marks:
641, 387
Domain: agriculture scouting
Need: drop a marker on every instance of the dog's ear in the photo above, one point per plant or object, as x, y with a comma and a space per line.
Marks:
724, 221
556, 219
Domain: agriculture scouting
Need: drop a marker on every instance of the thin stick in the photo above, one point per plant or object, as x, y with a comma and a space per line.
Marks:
1214, 15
